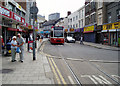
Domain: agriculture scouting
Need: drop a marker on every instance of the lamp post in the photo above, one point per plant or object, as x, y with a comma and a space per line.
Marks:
34, 11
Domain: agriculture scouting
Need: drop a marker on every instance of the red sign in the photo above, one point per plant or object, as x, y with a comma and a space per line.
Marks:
5, 12
9, 14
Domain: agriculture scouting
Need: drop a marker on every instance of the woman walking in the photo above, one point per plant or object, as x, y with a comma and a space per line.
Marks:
13, 48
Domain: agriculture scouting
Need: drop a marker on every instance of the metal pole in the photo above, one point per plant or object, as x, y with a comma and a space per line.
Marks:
34, 58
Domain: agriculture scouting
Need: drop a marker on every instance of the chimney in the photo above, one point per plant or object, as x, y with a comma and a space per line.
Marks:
68, 13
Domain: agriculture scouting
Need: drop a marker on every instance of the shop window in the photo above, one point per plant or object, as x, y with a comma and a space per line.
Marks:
106, 38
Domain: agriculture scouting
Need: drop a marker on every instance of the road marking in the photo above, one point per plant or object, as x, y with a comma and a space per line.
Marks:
104, 61
90, 78
116, 77
74, 59
101, 80
97, 79
71, 80
58, 72
58, 80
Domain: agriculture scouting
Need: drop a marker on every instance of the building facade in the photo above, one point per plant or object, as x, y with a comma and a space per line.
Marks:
14, 18
90, 21
54, 16
111, 28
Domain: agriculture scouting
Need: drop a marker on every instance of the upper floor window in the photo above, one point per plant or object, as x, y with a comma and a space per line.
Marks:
11, 7
109, 17
73, 18
76, 17
118, 14
100, 3
23, 14
18, 11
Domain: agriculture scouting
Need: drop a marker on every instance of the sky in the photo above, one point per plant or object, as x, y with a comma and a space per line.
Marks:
47, 7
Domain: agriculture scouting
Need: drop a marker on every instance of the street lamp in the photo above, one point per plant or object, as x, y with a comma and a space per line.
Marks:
34, 11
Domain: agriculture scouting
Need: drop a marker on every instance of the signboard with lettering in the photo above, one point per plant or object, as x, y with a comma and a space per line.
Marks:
89, 29
9, 14
110, 26
5, 12
71, 29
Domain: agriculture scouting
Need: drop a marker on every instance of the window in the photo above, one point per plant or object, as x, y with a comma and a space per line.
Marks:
100, 3
73, 18
76, 17
76, 25
18, 11
11, 7
109, 17
118, 14
23, 15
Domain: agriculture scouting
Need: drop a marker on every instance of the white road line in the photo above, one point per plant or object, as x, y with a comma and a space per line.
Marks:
74, 59
90, 77
71, 80
104, 61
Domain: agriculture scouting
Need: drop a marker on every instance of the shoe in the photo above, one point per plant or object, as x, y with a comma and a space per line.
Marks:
13, 60
21, 61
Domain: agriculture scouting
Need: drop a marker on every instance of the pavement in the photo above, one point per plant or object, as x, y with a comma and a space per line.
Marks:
28, 72
101, 46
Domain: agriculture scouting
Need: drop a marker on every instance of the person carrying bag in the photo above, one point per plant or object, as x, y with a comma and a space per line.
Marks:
13, 48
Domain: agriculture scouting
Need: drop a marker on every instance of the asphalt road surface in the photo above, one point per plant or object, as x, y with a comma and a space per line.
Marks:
73, 63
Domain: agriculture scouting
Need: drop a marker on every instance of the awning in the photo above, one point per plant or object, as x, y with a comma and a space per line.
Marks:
79, 30
112, 30
13, 29
104, 31
88, 32
46, 31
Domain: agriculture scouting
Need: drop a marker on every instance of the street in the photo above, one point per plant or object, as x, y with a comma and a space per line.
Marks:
73, 63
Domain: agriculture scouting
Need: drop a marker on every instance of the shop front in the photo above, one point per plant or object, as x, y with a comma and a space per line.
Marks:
111, 34
89, 34
99, 36
71, 32
10, 23
78, 33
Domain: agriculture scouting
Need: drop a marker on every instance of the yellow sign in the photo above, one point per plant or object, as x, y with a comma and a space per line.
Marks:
89, 29
110, 26
30, 27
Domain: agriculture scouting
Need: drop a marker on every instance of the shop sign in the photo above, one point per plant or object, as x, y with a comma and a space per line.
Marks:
110, 26
89, 29
5, 12
30, 27
71, 30
66, 30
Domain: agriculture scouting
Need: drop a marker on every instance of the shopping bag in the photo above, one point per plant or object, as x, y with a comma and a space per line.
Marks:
18, 50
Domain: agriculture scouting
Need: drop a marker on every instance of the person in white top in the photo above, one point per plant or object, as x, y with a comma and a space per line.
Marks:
13, 48
81, 40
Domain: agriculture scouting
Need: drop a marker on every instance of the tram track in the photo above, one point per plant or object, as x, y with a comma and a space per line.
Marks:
73, 73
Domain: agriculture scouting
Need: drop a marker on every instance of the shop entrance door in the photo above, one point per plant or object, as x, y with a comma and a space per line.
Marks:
113, 39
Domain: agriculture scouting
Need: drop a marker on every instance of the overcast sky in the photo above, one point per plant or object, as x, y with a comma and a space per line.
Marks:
47, 7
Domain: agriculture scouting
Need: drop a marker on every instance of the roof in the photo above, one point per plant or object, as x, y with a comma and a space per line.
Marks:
52, 22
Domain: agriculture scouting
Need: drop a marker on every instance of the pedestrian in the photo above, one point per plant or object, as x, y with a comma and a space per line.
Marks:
20, 41
9, 40
41, 38
13, 48
81, 40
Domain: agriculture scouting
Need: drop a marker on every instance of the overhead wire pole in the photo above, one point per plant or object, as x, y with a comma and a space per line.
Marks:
34, 11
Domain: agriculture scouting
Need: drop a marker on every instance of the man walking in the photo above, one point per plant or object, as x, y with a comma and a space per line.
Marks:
20, 41
81, 40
